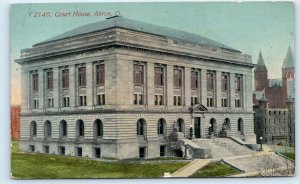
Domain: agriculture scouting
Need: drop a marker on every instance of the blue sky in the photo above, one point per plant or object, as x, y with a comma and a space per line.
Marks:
248, 27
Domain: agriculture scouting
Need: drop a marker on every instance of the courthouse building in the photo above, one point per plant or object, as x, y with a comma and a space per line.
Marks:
117, 88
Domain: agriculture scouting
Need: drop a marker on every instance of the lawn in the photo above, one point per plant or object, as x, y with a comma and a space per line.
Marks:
38, 166
215, 169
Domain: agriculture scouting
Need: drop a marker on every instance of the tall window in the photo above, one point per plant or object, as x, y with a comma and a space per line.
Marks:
35, 81
224, 82
194, 79
50, 80
33, 129
141, 130
210, 81
98, 128
47, 129
82, 76
159, 76
237, 83
63, 128
80, 128
161, 127
65, 78
100, 74
177, 78
138, 74
82, 100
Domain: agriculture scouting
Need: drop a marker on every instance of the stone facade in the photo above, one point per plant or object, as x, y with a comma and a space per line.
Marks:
147, 90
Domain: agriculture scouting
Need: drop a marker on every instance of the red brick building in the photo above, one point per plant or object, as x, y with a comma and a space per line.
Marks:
15, 121
274, 103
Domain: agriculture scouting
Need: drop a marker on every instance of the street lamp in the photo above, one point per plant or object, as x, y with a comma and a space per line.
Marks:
261, 138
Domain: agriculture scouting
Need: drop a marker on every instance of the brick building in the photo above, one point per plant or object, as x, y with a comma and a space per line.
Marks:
117, 88
274, 103
15, 121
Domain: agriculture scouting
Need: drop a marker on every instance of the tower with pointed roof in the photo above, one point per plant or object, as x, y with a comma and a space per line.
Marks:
260, 74
288, 74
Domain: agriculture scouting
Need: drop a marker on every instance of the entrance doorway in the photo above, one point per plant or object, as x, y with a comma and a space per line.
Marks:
197, 127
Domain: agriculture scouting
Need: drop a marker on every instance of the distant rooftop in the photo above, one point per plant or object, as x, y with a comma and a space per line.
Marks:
120, 22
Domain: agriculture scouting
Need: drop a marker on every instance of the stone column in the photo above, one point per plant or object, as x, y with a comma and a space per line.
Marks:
150, 84
203, 87
89, 84
232, 90
56, 87
218, 90
187, 86
25, 90
72, 86
169, 86
243, 92
41, 89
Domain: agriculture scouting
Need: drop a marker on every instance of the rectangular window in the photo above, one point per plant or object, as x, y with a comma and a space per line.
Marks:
161, 100
194, 79
138, 74
237, 103
237, 83
177, 78
179, 100
175, 100
31, 148
65, 78
35, 82
142, 152
82, 76
97, 152
159, 76
82, 100
141, 99
194, 101
61, 150
135, 100
79, 151
210, 102
50, 80
162, 151
210, 81
46, 149
100, 74
224, 82
101, 99
224, 102
50, 102
35, 103
66, 102
156, 99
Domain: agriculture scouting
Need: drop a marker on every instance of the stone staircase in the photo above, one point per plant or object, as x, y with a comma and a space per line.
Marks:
224, 147
260, 163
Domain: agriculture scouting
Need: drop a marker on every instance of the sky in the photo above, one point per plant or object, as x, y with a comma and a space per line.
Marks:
247, 26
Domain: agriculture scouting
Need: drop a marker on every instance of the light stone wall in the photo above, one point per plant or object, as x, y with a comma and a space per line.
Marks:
119, 115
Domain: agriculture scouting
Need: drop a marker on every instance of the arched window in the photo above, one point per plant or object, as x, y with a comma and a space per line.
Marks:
241, 125
98, 128
226, 124
161, 126
47, 129
63, 128
33, 129
80, 128
180, 125
141, 127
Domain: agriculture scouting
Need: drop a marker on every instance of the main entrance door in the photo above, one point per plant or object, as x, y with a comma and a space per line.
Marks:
197, 127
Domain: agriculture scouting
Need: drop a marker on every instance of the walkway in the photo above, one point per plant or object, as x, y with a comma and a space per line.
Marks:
191, 168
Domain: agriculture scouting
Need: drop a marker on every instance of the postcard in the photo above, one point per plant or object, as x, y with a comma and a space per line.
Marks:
152, 90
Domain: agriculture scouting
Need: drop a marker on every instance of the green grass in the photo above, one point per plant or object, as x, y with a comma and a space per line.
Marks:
38, 166
215, 169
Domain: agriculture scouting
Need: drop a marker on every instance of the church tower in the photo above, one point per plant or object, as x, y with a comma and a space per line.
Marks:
288, 74
260, 74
